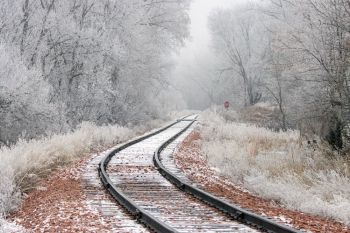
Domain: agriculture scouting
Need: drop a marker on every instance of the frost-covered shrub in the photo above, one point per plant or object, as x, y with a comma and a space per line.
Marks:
261, 114
28, 159
9, 193
24, 111
22, 164
276, 165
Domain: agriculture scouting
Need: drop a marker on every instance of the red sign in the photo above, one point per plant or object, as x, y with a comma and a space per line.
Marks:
227, 104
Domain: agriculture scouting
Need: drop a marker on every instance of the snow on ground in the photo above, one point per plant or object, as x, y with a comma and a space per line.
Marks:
195, 167
276, 166
9, 227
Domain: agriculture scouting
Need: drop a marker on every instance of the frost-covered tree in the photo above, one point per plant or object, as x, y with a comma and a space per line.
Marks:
237, 39
316, 33
294, 54
24, 111
102, 59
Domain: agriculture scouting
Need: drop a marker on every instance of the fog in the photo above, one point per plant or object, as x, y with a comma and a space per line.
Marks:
197, 48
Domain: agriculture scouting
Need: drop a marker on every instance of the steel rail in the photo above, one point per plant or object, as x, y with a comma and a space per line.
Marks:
139, 213
236, 212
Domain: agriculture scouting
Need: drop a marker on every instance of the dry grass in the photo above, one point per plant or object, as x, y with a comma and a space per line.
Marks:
261, 114
276, 165
23, 164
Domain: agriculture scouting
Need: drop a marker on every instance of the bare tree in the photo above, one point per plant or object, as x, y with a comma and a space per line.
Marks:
234, 37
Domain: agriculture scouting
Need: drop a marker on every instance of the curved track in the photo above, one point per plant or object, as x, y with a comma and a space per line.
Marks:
137, 179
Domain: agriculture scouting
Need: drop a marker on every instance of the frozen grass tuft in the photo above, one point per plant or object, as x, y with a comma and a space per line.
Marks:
28, 160
24, 163
276, 165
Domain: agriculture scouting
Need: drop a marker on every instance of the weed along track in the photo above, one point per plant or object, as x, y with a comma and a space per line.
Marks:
164, 201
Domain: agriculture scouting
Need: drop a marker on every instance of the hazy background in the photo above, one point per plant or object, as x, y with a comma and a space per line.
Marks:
189, 60
200, 38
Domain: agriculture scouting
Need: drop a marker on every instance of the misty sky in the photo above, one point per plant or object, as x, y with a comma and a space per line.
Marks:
199, 42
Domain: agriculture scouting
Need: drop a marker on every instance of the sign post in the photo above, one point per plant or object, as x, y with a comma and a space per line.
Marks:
226, 104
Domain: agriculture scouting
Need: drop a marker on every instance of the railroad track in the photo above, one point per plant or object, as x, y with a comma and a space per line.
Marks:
165, 201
